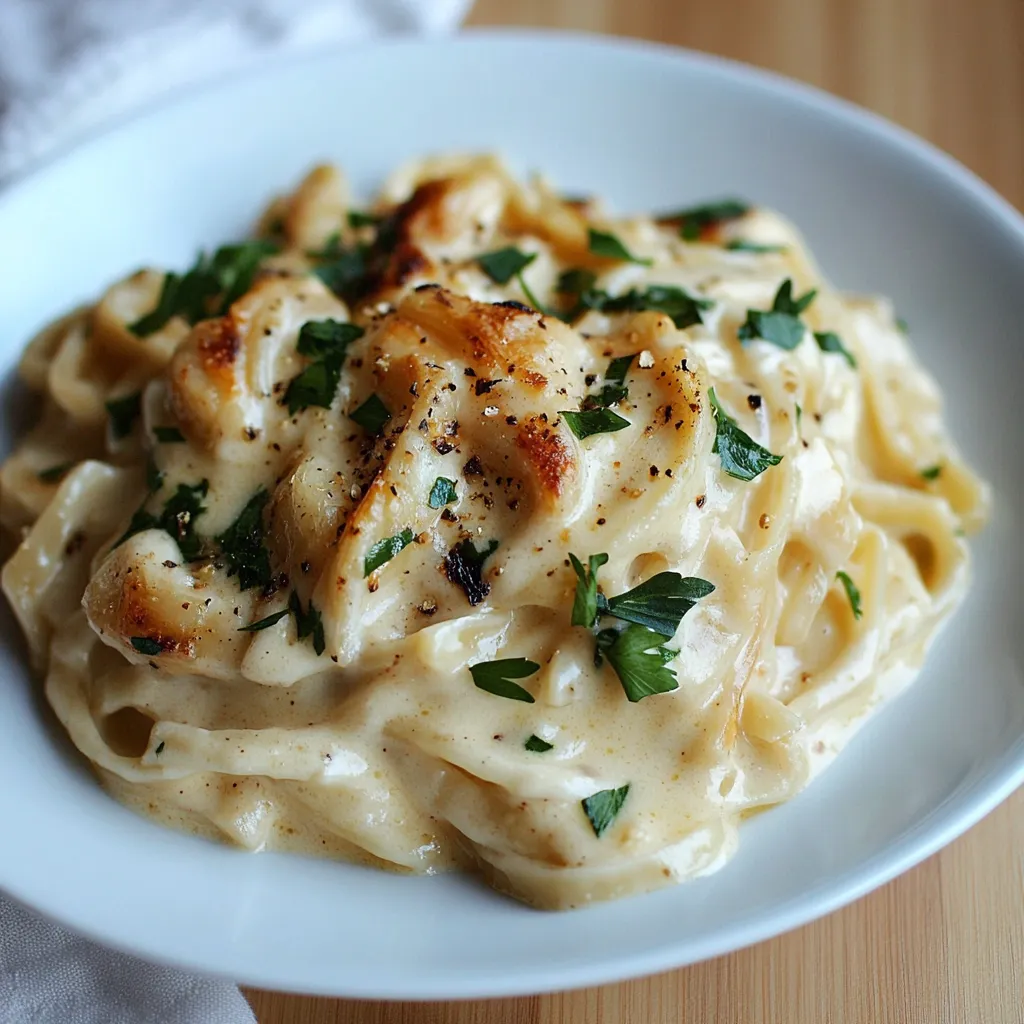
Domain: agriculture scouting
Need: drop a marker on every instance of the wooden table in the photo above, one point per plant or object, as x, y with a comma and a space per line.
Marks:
945, 942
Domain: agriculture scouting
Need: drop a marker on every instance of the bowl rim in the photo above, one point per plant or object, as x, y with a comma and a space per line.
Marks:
935, 830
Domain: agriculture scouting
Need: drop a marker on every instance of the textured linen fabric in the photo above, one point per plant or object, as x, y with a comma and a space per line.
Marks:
66, 68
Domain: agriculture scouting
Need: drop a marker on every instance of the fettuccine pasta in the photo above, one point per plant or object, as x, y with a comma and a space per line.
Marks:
481, 529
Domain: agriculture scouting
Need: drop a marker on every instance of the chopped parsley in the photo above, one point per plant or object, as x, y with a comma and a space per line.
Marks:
639, 657
242, 544
852, 593
463, 566
658, 603
54, 473
442, 493
146, 645
902, 326
325, 342
123, 413
829, 341
496, 677
537, 745
930, 473
208, 288
602, 808
614, 389
307, 623
594, 421
360, 219
696, 219
384, 550
177, 518
742, 457
371, 415
168, 435
684, 309
610, 247
343, 271
266, 623
742, 245
584, 605
781, 325
504, 264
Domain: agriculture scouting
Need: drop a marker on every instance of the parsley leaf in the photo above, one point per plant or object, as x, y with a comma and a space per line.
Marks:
384, 550
609, 247
442, 493
307, 623
930, 473
742, 245
682, 307
123, 412
781, 325
614, 389
695, 219
575, 281
360, 219
146, 645
829, 341
496, 677
325, 342
602, 808
594, 421
537, 745
584, 605
463, 566
208, 288
371, 415
658, 603
168, 435
638, 656
54, 473
504, 264
266, 623
852, 593
742, 457
242, 544
343, 271
902, 326
180, 513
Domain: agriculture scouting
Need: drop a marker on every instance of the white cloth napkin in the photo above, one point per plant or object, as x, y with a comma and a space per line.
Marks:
66, 68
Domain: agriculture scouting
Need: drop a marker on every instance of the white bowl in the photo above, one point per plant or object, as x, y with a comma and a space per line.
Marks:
649, 127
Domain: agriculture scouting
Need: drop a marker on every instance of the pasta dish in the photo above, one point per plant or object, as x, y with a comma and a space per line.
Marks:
478, 528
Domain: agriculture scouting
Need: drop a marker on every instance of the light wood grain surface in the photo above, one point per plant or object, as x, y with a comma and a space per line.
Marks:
945, 942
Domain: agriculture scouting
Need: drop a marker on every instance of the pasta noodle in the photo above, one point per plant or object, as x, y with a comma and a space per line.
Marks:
481, 530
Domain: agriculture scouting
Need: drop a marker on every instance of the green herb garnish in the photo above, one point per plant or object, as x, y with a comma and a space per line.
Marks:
54, 473
902, 326
694, 219
307, 623
610, 247
496, 677
123, 413
639, 657
658, 603
168, 435
160, 748
179, 517
538, 746
360, 219
208, 288
603, 807
852, 593
384, 550
371, 415
742, 457
614, 389
343, 271
930, 473
594, 421
504, 264
146, 645
829, 341
266, 623
442, 493
242, 544
781, 325
325, 342
742, 245
584, 605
